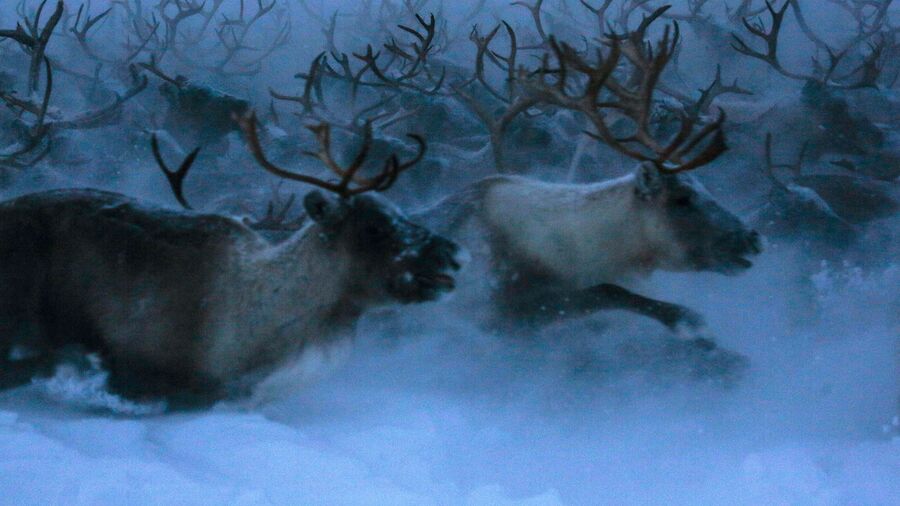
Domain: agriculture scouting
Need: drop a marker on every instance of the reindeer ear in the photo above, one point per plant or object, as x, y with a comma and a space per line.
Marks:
648, 181
322, 209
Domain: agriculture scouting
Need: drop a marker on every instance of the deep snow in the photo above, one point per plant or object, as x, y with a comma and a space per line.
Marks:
434, 412
430, 410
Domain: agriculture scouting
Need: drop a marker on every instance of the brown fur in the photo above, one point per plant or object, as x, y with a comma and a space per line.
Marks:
173, 300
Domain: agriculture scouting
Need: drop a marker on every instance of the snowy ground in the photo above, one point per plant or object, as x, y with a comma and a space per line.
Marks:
445, 415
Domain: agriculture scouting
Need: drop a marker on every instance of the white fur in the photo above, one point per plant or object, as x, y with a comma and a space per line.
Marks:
274, 303
583, 233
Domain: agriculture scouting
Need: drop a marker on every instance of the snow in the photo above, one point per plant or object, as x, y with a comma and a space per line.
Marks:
432, 411
428, 409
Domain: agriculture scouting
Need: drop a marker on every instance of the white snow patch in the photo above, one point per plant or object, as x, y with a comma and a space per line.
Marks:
87, 388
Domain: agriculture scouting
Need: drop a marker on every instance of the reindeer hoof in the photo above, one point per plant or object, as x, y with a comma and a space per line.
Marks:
704, 344
690, 319
720, 366
701, 359
688, 324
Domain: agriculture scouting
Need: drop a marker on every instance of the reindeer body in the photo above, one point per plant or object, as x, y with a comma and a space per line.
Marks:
562, 249
174, 301
581, 235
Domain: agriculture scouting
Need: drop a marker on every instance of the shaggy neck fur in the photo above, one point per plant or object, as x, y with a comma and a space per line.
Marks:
287, 297
581, 234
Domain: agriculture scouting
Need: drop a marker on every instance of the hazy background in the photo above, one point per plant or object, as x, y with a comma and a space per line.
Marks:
429, 409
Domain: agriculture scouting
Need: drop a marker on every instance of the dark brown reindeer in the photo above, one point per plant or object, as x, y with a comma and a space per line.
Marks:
827, 211
195, 306
561, 250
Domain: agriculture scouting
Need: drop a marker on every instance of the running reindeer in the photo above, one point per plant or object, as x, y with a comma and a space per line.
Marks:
560, 250
194, 306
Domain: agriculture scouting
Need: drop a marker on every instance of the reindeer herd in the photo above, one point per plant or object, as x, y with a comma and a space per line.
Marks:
200, 303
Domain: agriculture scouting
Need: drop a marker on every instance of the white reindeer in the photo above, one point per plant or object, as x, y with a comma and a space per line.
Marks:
554, 250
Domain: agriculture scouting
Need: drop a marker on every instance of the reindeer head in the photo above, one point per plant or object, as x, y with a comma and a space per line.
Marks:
394, 258
687, 229
708, 236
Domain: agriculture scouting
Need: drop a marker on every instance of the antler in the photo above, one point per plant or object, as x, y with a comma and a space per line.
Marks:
175, 177
599, 90
232, 34
599, 12
413, 58
277, 211
717, 88
695, 11
515, 101
869, 71
535, 10
35, 39
403, 66
84, 22
744, 10
392, 166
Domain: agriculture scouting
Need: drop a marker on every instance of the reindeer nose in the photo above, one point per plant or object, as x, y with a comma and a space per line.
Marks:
446, 250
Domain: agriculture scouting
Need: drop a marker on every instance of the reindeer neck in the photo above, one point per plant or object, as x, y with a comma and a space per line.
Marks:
309, 263
276, 300
301, 280
628, 234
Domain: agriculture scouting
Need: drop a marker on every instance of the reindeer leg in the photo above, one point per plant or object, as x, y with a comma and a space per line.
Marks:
701, 354
609, 296
555, 305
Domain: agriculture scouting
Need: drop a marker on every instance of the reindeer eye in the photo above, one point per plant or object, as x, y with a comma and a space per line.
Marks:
374, 232
684, 201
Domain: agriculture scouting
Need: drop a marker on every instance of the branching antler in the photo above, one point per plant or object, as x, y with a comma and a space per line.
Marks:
232, 34
277, 212
868, 72
233, 54
744, 10
413, 58
514, 102
145, 30
403, 67
347, 176
35, 39
37, 139
175, 177
594, 90
770, 37
600, 12
81, 30
314, 106
716, 89
695, 11
36, 133
535, 10
151, 66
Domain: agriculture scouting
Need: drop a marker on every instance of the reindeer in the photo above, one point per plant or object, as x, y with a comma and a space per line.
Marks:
825, 210
862, 62
561, 250
195, 307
